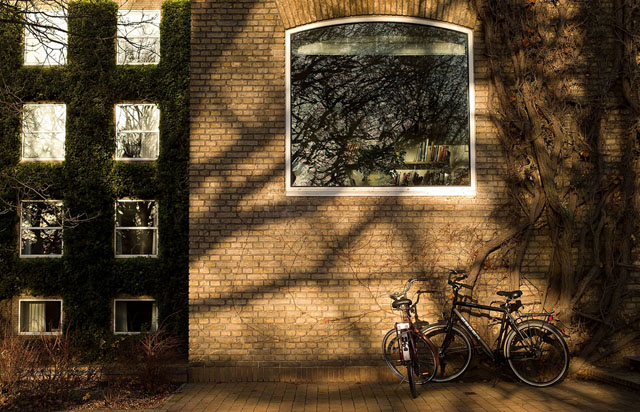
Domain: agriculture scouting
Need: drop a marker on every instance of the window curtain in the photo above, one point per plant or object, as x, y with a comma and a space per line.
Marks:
154, 317
34, 317
121, 317
154, 236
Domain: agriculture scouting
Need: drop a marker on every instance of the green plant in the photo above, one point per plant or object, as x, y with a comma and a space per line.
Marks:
89, 181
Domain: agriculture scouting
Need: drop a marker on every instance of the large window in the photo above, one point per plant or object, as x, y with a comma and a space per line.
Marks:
380, 106
43, 131
138, 37
137, 131
45, 38
136, 228
132, 316
41, 228
40, 316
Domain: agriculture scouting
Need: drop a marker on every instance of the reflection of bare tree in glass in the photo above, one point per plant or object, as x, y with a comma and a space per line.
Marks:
136, 228
43, 131
137, 131
138, 37
363, 94
46, 29
45, 35
41, 228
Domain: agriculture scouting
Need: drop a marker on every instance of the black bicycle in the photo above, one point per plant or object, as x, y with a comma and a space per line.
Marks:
406, 345
533, 347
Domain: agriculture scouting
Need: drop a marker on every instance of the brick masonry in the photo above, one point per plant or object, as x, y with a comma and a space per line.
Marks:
296, 286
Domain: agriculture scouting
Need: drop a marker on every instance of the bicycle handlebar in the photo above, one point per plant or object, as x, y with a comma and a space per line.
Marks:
455, 282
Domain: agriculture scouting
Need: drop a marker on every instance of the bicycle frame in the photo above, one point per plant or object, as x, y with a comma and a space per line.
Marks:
507, 321
406, 340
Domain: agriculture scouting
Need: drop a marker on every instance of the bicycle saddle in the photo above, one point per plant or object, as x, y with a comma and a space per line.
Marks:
401, 302
514, 294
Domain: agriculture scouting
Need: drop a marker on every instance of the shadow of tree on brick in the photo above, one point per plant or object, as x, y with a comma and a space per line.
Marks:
238, 205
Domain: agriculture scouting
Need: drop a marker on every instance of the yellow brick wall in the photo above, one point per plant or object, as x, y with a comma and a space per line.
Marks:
281, 282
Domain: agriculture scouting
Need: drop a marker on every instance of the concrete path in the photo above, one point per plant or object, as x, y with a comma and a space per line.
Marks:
570, 396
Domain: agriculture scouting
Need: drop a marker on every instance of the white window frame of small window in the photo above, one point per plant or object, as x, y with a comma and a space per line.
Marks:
42, 159
443, 191
116, 227
40, 228
52, 13
122, 12
40, 333
157, 131
154, 315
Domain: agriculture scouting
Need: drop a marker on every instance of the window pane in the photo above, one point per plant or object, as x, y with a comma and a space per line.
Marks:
137, 131
41, 214
136, 214
138, 37
40, 316
139, 50
43, 131
137, 145
45, 39
137, 117
135, 316
41, 242
136, 242
379, 104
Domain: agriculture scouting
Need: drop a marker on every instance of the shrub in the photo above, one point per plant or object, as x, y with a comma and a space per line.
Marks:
146, 360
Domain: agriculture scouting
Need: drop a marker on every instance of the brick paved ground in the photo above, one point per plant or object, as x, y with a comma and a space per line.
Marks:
570, 396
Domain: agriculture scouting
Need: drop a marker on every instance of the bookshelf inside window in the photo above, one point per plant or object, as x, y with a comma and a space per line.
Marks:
431, 165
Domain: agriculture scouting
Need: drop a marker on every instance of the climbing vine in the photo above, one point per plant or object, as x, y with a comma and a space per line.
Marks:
89, 181
558, 69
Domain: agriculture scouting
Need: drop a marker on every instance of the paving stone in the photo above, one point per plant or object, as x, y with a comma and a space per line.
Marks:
571, 395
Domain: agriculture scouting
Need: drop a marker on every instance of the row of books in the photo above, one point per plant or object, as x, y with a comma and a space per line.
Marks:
431, 153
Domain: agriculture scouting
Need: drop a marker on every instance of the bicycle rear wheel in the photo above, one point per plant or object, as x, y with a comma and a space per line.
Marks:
426, 364
538, 354
391, 353
455, 358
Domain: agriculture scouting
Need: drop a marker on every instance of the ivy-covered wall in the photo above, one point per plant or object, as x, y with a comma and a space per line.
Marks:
89, 181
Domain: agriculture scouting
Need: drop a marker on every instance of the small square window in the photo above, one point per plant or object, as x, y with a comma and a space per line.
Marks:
41, 228
136, 228
43, 131
137, 131
40, 317
138, 37
133, 316
45, 38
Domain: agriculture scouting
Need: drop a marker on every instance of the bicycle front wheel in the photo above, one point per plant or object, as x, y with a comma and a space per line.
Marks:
426, 358
391, 353
455, 358
412, 380
537, 353
425, 364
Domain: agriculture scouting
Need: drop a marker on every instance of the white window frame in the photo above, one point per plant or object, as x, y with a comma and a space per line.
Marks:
154, 315
116, 228
40, 333
468, 191
42, 159
47, 13
40, 228
122, 12
157, 131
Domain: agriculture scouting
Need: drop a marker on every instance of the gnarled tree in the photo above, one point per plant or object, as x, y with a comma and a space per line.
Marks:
558, 69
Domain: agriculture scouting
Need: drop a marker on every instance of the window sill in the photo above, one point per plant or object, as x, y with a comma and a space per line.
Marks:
135, 256
462, 191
